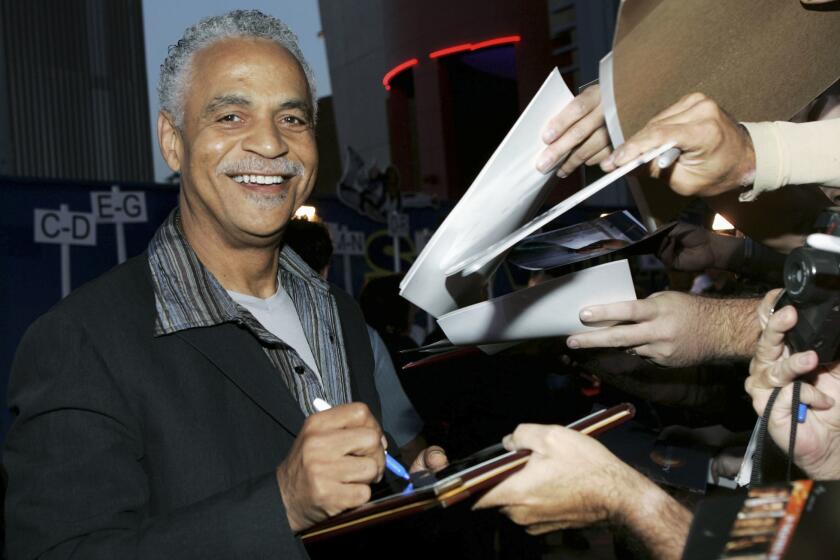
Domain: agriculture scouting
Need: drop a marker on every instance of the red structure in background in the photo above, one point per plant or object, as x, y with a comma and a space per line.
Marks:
507, 40
437, 120
465, 47
386, 81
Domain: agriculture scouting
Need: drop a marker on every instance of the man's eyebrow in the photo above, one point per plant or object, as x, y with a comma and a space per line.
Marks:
225, 100
298, 104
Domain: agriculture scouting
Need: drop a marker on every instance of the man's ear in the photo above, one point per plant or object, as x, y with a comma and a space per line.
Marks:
170, 141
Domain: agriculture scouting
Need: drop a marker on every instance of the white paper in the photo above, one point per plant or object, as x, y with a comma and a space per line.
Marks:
507, 192
605, 79
545, 310
745, 472
490, 253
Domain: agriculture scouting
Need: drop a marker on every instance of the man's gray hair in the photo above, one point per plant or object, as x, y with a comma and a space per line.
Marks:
175, 70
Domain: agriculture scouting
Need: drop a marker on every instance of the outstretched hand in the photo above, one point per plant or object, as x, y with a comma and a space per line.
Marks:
717, 153
570, 480
662, 328
673, 329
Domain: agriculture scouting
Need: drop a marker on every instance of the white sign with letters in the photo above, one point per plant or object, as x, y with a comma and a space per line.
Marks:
347, 243
398, 224
65, 228
118, 208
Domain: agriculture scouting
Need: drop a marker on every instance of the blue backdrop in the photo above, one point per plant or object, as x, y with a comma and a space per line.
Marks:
30, 271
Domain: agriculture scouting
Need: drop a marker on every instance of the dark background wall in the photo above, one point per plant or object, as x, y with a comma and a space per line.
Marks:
443, 117
74, 103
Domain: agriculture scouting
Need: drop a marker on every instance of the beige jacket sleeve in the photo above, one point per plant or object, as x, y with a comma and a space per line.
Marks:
794, 154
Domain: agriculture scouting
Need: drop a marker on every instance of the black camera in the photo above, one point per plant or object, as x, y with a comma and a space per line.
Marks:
812, 286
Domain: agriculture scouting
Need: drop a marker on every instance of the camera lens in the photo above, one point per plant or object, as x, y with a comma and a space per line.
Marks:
796, 277
811, 275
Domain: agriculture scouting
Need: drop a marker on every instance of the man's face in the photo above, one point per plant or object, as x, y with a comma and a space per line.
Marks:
246, 150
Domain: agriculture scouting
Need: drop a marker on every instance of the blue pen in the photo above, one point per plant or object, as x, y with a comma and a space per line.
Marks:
390, 463
802, 413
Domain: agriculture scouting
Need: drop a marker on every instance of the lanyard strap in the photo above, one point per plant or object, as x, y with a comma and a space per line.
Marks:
755, 477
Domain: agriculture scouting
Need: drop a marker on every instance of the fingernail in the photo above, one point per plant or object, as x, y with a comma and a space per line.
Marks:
572, 343
804, 360
585, 315
384, 443
544, 164
561, 174
549, 136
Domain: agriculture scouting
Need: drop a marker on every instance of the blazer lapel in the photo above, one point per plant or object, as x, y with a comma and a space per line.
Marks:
241, 359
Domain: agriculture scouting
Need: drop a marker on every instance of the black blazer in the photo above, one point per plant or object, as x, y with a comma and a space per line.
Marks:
129, 446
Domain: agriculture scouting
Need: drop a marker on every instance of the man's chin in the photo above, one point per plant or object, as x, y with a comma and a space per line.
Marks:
267, 201
265, 217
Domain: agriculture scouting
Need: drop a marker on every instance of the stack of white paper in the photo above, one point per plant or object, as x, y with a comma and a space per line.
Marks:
545, 310
505, 194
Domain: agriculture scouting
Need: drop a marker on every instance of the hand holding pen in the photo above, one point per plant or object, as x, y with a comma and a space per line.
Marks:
432, 458
336, 455
390, 463
713, 153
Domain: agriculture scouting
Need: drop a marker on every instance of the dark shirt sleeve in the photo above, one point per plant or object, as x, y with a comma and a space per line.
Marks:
77, 484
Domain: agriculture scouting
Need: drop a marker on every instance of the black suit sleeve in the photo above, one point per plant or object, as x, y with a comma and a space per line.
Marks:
77, 486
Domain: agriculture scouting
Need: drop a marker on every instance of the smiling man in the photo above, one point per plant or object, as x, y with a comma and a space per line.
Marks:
165, 410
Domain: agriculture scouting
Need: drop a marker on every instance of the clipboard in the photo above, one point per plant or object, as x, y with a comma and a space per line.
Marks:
462, 479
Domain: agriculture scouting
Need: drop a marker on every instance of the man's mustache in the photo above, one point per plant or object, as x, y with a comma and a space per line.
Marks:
261, 166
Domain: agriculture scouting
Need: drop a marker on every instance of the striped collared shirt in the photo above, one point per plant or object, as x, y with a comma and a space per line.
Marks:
187, 295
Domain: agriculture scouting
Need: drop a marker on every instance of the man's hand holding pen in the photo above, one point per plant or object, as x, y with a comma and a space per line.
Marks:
338, 453
336, 456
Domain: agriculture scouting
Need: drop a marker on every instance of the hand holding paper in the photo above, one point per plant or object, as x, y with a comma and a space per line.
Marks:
674, 329
576, 135
717, 153
473, 239
570, 480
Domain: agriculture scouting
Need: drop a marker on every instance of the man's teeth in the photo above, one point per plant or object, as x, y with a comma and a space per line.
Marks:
259, 179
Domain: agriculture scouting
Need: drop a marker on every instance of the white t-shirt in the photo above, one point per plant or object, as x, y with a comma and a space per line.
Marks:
277, 314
